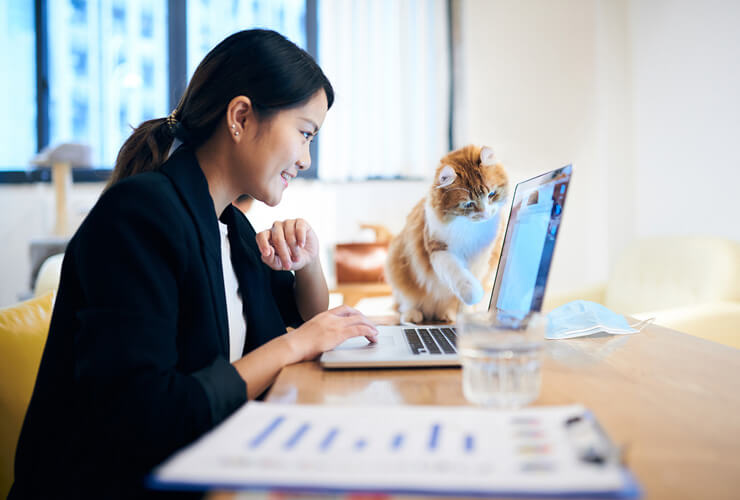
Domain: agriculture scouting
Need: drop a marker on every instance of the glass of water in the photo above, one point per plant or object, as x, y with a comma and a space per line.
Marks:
501, 358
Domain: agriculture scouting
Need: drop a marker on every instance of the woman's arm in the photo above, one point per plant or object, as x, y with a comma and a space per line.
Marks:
324, 331
260, 367
311, 292
293, 245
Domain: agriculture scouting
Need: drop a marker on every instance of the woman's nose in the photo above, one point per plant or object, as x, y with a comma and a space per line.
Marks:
304, 163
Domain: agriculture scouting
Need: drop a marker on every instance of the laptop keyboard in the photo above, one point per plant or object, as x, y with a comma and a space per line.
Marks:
431, 340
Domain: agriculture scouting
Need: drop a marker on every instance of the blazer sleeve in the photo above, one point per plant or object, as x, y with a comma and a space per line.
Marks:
131, 255
283, 290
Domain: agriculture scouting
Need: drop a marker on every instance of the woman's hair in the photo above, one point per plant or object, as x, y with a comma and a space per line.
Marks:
261, 64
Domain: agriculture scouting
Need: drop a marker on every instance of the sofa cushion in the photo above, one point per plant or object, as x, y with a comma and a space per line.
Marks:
23, 331
669, 272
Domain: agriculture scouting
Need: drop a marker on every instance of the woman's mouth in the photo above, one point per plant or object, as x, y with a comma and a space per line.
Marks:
285, 177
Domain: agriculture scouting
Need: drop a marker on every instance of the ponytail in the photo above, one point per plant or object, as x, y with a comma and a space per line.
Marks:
145, 150
261, 64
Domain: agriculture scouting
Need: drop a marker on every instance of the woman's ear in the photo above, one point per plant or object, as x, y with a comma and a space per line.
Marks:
239, 116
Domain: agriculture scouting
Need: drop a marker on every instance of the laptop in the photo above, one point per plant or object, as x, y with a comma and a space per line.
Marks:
518, 290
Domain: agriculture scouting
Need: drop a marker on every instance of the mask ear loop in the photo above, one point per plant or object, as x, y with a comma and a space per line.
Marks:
642, 324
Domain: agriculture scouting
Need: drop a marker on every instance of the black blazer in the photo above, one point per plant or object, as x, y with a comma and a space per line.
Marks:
136, 362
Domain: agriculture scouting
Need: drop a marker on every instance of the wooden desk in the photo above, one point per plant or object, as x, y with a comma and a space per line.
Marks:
672, 400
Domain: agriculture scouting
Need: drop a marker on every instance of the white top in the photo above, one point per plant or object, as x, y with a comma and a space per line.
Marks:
237, 323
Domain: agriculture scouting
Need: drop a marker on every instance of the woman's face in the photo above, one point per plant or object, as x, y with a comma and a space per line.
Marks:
273, 150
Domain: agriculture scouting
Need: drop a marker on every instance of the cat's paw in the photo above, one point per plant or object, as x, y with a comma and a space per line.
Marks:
448, 317
470, 291
412, 316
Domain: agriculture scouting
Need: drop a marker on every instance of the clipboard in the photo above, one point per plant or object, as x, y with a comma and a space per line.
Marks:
555, 451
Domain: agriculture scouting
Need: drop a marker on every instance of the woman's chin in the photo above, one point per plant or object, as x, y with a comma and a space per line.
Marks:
269, 199
273, 200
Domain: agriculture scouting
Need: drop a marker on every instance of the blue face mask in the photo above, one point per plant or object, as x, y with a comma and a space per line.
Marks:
581, 317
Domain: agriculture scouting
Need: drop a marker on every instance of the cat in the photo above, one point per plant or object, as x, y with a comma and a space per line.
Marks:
451, 239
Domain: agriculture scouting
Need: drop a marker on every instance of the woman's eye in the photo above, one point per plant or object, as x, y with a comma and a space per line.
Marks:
307, 135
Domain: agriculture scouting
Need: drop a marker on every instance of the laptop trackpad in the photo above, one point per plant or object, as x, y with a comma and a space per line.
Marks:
363, 343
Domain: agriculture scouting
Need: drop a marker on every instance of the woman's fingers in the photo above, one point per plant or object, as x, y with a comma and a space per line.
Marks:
290, 238
263, 242
367, 331
301, 229
344, 310
350, 322
267, 252
287, 240
277, 239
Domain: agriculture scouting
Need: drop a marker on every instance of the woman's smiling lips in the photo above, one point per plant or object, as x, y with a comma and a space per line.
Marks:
285, 176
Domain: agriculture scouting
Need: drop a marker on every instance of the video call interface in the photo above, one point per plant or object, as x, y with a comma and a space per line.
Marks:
530, 240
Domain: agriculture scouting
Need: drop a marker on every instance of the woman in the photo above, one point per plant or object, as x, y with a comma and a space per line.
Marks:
161, 327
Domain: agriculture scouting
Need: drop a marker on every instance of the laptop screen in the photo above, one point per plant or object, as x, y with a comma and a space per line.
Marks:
529, 242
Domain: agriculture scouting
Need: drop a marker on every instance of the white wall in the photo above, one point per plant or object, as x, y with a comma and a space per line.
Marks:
687, 116
641, 95
26, 214
532, 87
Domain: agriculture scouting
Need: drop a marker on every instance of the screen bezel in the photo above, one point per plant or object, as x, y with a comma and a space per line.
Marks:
528, 184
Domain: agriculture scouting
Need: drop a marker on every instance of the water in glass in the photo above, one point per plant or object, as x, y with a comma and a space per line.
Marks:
501, 367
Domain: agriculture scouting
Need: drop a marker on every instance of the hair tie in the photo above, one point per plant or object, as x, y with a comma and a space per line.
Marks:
176, 128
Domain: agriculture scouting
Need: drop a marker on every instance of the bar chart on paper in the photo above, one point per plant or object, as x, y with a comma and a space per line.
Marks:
441, 450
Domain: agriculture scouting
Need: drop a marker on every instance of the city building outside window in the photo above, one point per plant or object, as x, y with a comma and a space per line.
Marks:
108, 69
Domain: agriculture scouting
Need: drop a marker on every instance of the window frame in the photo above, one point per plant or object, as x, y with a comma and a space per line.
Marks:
177, 81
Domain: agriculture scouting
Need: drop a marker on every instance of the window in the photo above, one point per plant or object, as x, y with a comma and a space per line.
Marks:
209, 22
18, 84
147, 23
102, 81
111, 64
79, 61
389, 65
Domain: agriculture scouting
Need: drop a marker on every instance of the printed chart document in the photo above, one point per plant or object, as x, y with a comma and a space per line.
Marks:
547, 451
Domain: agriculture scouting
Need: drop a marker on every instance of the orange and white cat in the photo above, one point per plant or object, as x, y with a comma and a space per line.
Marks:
452, 238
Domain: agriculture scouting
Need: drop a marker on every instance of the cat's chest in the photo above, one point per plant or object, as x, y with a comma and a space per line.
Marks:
465, 238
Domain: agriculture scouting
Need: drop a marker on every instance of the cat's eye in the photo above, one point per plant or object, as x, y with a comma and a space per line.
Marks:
492, 194
469, 204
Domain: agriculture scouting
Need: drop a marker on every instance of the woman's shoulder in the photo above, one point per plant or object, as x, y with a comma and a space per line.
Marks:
146, 188
147, 199
149, 192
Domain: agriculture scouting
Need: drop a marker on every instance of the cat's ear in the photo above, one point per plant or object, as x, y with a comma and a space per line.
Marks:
446, 176
487, 157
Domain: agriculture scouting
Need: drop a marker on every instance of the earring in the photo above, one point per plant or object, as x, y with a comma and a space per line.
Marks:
233, 127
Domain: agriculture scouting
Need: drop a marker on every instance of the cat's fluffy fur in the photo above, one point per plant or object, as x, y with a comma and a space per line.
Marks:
452, 238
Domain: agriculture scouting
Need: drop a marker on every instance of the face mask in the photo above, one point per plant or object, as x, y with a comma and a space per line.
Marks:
581, 317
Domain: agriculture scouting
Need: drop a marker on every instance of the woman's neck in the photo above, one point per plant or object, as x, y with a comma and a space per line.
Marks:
215, 168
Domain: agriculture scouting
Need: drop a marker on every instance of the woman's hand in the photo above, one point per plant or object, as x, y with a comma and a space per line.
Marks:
327, 330
288, 245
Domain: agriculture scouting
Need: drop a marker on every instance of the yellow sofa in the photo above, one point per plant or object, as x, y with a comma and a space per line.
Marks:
23, 331
690, 284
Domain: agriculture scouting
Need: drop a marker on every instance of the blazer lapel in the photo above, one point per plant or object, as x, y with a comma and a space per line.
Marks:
184, 172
